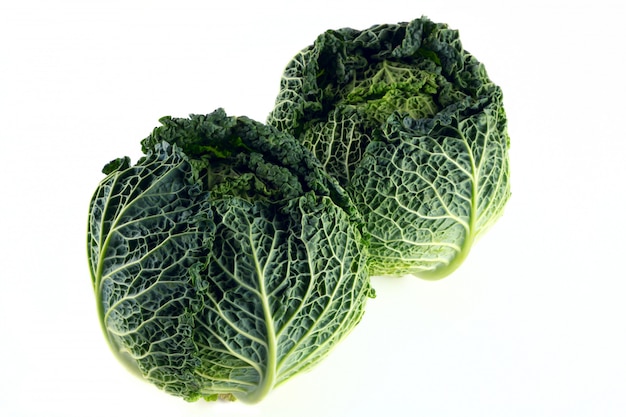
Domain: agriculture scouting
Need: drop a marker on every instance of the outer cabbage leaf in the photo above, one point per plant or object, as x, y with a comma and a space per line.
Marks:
276, 275
284, 287
413, 128
150, 231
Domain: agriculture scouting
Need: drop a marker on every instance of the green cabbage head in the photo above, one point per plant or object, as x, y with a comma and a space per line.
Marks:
226, 260
411, 125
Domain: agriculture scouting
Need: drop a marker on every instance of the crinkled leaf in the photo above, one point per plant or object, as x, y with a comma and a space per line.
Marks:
283, 288
150, 230
426, 195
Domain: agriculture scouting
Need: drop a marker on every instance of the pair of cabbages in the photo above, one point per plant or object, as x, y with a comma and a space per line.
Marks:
235, 255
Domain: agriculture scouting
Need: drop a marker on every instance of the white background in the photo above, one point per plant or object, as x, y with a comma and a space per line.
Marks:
534, 322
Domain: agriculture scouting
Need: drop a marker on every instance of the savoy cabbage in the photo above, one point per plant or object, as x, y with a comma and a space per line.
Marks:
226, 260
411, 125
235, 255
